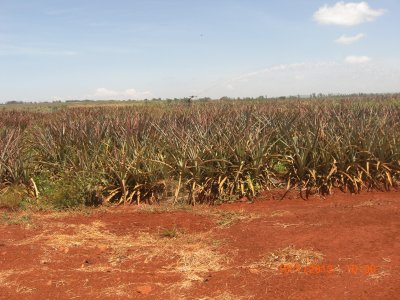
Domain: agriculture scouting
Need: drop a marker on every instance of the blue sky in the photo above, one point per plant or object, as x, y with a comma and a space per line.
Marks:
69, 49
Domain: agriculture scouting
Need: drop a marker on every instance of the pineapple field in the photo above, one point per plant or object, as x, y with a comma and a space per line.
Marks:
200, 152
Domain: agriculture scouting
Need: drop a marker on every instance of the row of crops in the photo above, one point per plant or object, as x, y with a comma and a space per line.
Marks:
202, 152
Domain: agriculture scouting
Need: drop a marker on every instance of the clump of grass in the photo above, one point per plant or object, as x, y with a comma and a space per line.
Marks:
13, 219
227, 218
14, 197
169, 232
65, 191
290, 256
279, 213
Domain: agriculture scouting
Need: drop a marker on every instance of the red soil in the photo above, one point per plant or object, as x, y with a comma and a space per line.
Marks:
217, 252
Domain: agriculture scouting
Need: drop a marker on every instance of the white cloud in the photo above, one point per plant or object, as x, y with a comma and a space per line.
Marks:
299, 77
354, 76
347, 40
105, 94
246, 76
357, 59
56, 98
347, 14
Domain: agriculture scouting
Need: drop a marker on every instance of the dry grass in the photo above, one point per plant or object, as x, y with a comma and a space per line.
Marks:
192, 253
225, 296
90, 235
24, 289
55, 215
229, 218
4, 275
122, 290
290, 256
165, 206
279, 213
379, 275
6, 282
199, 260
286, 225
16, 219
369, 203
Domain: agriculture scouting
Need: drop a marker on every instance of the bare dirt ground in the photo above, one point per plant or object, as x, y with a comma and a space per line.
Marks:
340, 247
